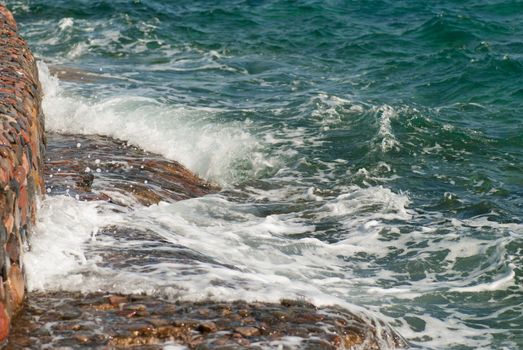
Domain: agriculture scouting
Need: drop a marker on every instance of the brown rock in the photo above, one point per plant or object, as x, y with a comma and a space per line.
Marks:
247, 331
194, 342
126, 313
116, 300
243, 312
81, 338
16, 285
104, 307
158, 322
4, 323
207, 327
9, 222
123, 169
248, 320
12, 248
243, 342
187, 325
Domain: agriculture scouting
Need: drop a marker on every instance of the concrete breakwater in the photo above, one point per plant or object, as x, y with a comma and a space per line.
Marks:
22, 144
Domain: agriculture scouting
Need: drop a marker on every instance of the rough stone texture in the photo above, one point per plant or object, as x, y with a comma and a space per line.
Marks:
104, 321
96, 168
108, 321
22, 144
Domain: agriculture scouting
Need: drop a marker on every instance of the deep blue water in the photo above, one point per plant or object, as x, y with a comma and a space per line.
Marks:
376, 146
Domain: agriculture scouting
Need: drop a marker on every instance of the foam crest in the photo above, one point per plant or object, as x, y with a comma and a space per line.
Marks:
504, 281
330, 109
333, 111
363, 200
66, 23
388, 140
221, 152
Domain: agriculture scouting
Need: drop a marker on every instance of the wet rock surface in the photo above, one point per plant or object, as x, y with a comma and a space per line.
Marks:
108, 321
100, 168
102, 321
66, 73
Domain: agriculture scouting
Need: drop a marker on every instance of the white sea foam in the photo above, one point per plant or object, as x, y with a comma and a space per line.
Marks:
388, 140
174, 346
263, 260
507, 280
188, 135
66, 23
266, 258
57, 248
333, 111
247, 254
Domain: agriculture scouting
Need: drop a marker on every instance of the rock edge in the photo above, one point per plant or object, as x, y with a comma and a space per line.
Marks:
22, 143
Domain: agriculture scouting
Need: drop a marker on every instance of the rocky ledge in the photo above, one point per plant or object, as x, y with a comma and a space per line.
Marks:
99, 168
101, 321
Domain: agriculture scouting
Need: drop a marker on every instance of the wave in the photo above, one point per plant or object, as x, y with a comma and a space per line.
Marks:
218, 151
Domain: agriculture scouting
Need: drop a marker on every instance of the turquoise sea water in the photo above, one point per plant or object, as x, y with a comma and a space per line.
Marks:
370, 152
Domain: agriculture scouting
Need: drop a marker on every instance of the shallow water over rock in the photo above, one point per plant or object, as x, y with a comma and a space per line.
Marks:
101, 321
98, 168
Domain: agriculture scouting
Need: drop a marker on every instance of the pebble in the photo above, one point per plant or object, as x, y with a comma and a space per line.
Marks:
248, 331
197, 325
207, 327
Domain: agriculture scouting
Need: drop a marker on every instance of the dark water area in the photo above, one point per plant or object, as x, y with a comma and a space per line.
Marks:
370, 153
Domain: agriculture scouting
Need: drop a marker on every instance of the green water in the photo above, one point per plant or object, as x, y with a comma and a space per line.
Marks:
393, 128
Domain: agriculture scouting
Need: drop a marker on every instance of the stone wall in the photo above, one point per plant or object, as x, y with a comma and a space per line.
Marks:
22, 143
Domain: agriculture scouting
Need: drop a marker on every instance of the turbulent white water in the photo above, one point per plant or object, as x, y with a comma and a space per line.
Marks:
190, 136
238, 251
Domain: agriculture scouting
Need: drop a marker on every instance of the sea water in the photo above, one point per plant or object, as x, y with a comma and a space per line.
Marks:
369, 153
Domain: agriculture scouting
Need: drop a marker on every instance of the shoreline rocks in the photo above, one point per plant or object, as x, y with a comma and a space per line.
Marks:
101, 321
97, 168
22, 143
61, 319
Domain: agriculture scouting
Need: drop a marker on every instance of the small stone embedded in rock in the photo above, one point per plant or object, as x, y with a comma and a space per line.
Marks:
248, 331
117, 299
81, 338
207, 327
126, 313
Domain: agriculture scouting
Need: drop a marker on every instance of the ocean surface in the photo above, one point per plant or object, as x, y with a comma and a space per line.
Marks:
370, 154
